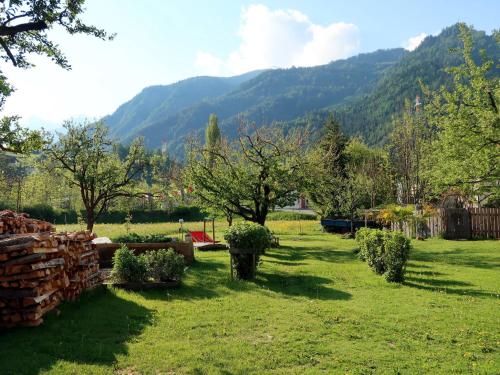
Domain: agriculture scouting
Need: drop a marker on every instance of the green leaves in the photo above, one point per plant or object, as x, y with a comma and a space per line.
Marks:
18, 140
466, 116
249, 177
87, 158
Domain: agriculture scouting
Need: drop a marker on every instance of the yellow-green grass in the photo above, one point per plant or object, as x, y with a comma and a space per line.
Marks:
314, 309
114, 230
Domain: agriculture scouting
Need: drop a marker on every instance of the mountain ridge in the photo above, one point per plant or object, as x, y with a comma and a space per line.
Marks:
363, 92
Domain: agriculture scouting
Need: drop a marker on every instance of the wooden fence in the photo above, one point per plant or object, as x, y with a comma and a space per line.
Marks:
457, 223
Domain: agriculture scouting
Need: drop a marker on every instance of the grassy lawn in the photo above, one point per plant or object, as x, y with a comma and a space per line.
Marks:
314, 308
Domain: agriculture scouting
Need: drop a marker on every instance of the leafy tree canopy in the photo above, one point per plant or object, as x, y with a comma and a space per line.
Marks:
249, 177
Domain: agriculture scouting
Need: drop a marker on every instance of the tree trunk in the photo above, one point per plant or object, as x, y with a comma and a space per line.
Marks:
90, 219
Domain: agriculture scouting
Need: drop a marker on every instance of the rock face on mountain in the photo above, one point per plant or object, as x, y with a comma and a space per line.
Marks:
363, 92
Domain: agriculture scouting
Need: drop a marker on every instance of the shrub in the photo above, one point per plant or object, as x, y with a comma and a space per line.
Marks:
137, 238
165, 264
247, 235
385, 252
397, 252
127, 267
371, 245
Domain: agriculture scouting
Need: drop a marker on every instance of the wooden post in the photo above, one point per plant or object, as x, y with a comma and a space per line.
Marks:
213, 230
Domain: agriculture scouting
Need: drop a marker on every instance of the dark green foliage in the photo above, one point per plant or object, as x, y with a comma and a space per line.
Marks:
127, 267
248, 235
137, 238
164, 265
57, 216
385, 252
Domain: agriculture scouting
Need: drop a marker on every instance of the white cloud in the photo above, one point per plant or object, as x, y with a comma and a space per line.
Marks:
209, 64
414, 41
282, 38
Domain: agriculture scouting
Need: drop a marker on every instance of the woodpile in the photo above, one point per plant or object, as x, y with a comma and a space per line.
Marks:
39, 268
14, 223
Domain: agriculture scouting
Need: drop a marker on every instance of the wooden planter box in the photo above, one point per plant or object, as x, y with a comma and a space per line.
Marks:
107, 250
156, 285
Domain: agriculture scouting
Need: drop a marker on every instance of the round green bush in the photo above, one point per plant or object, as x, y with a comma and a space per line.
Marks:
249, 236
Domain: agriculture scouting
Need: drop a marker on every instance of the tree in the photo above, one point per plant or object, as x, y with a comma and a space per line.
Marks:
212, 133
327, 167
249, 177
17, 140
213, 140
407, 147
13, 171
467, 119
89, 160
23, 31
373, 165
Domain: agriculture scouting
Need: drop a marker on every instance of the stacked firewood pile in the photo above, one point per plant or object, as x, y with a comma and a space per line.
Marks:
39, 268
14, 223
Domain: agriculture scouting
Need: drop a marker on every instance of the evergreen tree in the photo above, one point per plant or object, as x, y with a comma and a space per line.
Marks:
327, 167
212, 132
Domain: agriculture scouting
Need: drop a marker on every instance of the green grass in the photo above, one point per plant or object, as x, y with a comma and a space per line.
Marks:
314, 308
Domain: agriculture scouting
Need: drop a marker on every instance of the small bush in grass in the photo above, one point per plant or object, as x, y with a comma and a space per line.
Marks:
371, 248
385, 252
127, 267
165, 265
247, 235
397, 251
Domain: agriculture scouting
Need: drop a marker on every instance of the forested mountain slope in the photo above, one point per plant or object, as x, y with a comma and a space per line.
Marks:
363, 92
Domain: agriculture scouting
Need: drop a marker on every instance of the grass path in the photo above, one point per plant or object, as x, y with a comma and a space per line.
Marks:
314, 308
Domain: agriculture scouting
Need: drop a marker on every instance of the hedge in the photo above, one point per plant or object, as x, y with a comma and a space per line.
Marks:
56, 216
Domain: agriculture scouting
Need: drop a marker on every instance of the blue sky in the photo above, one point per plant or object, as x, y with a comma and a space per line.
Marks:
160, 42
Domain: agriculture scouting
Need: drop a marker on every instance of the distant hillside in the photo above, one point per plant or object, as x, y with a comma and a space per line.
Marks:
155, 103
363, 91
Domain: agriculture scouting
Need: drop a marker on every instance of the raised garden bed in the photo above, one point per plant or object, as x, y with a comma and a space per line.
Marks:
107, 250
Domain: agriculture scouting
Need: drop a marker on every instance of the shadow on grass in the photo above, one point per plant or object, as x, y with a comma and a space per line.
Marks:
424, 273
204, 276
298, 253
444, 289
438, 282
91, 331
300, 286
285, 263
457, 257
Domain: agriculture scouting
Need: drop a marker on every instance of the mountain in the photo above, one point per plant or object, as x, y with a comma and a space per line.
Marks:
155, 103
370, 115
363, 92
